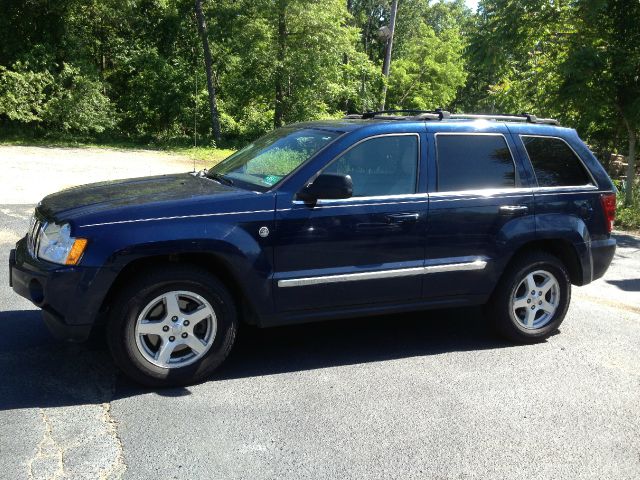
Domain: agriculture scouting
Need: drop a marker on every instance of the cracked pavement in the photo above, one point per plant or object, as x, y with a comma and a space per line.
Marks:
426, 395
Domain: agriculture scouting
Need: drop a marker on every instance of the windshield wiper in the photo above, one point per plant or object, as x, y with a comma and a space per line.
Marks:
219, 178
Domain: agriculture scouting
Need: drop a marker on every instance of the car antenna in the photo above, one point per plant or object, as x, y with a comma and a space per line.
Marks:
195, 111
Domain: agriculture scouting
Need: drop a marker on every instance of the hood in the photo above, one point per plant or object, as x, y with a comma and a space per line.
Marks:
96, 197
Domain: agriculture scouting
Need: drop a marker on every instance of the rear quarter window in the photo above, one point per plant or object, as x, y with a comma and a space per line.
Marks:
555, 163
471, 162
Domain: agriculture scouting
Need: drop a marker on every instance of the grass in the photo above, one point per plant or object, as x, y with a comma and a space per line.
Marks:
204, 157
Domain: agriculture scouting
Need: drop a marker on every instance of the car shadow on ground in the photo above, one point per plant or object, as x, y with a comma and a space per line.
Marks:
627, 241
362, 340
38, 371
628, 285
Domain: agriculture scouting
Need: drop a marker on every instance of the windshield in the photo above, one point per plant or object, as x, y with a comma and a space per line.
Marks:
263, 163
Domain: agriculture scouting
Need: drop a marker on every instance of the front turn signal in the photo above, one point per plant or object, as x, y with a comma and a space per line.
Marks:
75, 254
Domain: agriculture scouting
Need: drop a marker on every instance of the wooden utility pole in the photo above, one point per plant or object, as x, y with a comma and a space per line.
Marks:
279, 111
386, 65
208, 65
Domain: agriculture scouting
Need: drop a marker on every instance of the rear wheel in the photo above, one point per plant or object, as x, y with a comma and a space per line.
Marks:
531, 299
173, 327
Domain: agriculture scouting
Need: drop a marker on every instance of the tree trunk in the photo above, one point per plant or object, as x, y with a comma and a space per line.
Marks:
631, 165
278, 114
386, 65
208, 62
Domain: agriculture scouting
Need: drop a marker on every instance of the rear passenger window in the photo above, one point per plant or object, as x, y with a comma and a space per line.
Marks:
470, 162
386, 165
554, 162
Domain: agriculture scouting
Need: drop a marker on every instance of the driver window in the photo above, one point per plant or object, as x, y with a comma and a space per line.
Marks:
386, 165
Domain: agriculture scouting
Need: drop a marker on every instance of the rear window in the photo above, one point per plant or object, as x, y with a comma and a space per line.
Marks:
470, 162
555, 163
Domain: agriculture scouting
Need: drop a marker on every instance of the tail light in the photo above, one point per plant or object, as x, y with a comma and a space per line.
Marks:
608, 201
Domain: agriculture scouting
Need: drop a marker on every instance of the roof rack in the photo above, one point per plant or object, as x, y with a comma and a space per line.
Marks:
439, 114
525, 117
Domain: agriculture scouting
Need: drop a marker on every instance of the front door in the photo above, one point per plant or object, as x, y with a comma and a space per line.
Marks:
362, 250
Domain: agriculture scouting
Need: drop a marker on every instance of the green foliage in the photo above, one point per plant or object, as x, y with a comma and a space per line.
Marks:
133, 69
77, 104
628, 216
23, 93
429, 71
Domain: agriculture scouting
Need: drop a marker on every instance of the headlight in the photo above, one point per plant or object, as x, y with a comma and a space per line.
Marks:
58, 246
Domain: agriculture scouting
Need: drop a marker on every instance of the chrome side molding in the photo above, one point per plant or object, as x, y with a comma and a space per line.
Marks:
465, 264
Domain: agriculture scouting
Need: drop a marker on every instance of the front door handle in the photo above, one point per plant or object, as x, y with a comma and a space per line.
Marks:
402, 217
514, 210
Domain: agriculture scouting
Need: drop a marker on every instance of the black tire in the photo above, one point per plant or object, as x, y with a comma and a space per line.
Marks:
499, 308
137, 294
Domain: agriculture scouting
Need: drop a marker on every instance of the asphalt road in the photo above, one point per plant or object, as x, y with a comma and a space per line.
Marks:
431, 395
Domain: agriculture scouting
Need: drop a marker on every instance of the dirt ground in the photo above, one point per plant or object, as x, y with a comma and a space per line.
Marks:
29, 173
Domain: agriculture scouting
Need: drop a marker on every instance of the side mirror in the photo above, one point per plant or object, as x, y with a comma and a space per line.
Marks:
328, 186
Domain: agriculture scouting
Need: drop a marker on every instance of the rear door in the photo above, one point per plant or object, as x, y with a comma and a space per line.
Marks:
480, 202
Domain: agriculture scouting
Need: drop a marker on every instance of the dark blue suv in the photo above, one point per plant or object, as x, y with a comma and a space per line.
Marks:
376, 213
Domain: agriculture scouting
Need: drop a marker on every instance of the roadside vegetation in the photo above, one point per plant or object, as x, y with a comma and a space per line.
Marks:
170, 73
628, 216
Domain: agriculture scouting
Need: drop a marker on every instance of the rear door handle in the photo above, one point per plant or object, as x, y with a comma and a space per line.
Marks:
514, 210
402, 217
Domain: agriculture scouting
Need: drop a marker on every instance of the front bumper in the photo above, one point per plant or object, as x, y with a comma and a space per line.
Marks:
70, 297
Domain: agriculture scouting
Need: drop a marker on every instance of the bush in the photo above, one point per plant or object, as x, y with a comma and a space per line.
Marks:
68, 102
23, 93
78, 104
628, 217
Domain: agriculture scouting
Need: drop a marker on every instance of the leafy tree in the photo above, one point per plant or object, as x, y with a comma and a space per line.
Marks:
429, 64
601, 74
208, 62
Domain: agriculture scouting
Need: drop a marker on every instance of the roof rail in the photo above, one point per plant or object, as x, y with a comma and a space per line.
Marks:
439, 114
525, 117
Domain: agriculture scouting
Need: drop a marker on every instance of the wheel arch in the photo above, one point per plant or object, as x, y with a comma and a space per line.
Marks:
561, 248
211, 262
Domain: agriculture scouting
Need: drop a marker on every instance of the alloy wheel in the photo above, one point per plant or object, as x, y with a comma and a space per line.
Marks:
175, 329
535, 300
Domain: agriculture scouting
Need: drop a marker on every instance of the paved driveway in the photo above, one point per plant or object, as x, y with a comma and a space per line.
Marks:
430, 395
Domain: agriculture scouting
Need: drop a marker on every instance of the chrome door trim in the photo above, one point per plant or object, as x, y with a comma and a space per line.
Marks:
418, 197
469, 264
484, 192
436, 266
350, 277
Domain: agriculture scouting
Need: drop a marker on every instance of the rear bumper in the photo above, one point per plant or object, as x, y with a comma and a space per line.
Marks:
602, 252
70, 297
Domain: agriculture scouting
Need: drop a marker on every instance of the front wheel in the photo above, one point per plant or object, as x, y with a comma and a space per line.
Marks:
172, 327
531, 299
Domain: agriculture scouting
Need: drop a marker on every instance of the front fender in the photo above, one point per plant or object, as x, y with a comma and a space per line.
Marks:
232, 240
